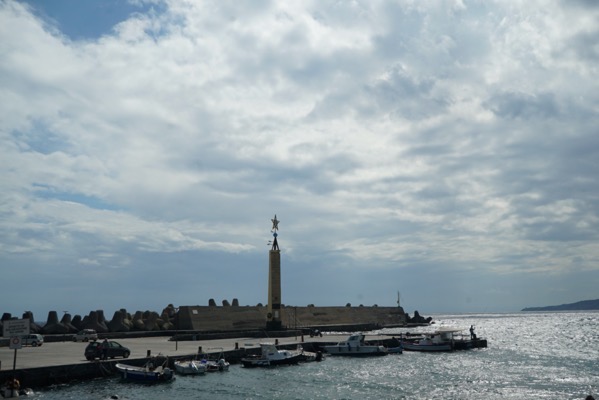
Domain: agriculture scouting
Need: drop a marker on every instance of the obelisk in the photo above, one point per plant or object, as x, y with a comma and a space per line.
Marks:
273, 316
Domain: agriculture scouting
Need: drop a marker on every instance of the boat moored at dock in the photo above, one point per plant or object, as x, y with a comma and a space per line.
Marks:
443, 339
155, 370
272, 356
355, 346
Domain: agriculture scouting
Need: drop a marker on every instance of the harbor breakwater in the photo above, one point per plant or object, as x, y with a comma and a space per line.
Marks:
219, 318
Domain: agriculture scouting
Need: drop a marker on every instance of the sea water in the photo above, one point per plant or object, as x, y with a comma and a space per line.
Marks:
529, 356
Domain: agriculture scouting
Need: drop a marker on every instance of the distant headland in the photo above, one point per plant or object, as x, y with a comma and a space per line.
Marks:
578, 306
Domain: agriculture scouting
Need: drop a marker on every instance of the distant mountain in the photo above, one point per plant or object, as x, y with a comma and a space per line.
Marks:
581, 305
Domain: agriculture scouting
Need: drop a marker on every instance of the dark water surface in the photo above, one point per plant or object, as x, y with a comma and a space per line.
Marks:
530, 356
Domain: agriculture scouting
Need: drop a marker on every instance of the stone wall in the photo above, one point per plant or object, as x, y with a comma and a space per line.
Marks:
212, 318
215, 318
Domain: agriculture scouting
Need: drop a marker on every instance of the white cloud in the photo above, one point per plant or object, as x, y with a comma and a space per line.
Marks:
459, 134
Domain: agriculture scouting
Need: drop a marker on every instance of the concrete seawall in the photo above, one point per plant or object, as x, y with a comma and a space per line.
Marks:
63, 362
206, 318
215, 318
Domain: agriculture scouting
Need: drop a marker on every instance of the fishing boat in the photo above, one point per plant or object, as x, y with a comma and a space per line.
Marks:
308, 356
155, 370
219, 365
271, 356
355, 346
190, 367
444, 339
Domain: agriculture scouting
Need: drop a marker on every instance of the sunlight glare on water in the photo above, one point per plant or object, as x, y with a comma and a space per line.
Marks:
529, 356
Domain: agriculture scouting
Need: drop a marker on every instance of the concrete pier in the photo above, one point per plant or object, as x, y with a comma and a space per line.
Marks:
63, 362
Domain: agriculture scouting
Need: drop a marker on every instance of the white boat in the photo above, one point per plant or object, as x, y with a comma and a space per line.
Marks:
355, 346
271, 356
441, 340
150, 372
216, 366
190, 367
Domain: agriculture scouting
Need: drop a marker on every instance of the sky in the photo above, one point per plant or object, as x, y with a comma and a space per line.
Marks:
447, 150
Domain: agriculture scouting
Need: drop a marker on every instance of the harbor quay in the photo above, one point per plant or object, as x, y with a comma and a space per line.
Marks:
57, 362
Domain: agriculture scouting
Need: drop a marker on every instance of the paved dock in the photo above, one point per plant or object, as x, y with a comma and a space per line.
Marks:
68, 352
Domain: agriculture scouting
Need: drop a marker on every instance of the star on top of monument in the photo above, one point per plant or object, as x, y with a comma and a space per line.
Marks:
275, 223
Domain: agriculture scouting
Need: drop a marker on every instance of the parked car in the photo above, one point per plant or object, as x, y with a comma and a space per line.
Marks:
33, 340
85, 335
113, 349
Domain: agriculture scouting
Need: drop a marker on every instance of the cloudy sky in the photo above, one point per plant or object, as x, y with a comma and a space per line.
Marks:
448, 150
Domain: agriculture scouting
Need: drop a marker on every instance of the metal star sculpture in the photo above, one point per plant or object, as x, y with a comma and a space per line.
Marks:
275, 228
275, 224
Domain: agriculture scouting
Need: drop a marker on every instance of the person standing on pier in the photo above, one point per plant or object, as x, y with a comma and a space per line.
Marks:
472, 334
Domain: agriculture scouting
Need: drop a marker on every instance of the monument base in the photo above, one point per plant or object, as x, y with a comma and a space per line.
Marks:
274, 325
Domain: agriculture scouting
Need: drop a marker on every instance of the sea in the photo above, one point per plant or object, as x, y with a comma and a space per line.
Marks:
553, 355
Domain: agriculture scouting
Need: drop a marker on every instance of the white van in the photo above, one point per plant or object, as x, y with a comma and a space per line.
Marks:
85, 335
33, 340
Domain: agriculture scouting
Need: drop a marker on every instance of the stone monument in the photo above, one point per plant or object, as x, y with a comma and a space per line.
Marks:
273, 316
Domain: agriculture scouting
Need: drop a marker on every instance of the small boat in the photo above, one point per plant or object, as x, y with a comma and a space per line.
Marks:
444, 339
190, 367
427, 344
219, 365
150, 372
271, 356
308, 356
355, 346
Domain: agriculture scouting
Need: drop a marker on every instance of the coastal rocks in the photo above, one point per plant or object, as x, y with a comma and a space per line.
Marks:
53, 326
5, 317
77, 322
95, 320
33, 327
138, 321
119, 322
170, 312
66, 321
418, 319
169, 316
151, 321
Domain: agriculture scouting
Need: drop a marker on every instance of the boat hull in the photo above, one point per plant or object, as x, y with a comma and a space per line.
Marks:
360, 351
427, 347
265, 362
140, 374
190, 367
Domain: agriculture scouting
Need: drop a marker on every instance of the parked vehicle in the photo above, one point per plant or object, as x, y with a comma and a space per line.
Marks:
33, 340
85, 335
106, 349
